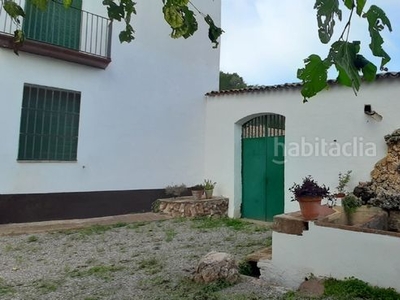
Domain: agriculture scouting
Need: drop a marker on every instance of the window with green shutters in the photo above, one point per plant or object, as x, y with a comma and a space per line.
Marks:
49, 124
55, 25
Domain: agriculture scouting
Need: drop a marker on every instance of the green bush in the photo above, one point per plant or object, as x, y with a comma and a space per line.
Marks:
353, 288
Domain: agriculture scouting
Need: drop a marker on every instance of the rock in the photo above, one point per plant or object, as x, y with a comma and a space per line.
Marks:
312, 288
394, 221
384, 188
364, 191
215, 266
393, 138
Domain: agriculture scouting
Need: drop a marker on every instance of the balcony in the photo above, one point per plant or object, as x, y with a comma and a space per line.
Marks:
71, 34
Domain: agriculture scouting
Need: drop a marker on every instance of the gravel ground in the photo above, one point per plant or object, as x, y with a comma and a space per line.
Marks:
137, 261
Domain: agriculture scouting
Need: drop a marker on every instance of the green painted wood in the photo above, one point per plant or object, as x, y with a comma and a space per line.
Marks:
275, 170
253, 178
263, 168
55, 25
49, 124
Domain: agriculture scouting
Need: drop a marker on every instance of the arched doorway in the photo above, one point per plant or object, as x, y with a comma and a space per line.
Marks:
263, 161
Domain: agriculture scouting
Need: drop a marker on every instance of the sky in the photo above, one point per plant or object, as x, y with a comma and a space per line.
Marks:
266, 41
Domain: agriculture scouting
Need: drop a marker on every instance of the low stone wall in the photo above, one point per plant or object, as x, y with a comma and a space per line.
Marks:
364, 217
394, 221
190, 208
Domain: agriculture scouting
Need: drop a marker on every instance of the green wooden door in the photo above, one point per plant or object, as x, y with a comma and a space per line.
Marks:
55, 25
263, 167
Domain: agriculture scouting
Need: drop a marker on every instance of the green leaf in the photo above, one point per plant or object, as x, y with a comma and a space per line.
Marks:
360, 6
173, 16
181, 19
368, 68
67, 3
343, 55
41, 4
190, 22
178, 2
114, 11
129, 8
369, 71
314, 76
13, 10
349, 4
127, 34
377, 20
342, 77
326, 11
19, 38
120, 12
214, 32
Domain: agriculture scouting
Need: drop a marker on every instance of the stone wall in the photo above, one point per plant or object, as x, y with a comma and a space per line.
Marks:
384, 188
386, 173
188, 207
394, 221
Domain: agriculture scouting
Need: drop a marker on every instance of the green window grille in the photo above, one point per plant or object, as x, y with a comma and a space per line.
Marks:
49, 124
56, 25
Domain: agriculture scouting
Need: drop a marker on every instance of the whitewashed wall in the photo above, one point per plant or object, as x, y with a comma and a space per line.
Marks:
142, 119
335, 114
332, 252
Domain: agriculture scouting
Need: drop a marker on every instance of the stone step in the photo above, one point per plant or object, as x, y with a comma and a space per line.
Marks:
262, 254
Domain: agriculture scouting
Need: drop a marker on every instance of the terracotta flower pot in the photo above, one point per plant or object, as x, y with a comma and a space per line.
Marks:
197, 194
339, 195
310, 207
209, 193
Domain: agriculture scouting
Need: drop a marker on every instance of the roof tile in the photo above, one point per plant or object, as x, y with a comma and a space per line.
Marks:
266, 88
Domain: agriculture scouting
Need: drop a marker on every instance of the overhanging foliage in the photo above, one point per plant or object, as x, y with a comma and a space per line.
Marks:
344, 54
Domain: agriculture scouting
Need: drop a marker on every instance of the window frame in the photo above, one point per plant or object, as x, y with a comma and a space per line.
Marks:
49, 124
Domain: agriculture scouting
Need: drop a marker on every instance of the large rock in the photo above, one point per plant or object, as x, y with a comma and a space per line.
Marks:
312, 288
394, 221
215, 266
384, 188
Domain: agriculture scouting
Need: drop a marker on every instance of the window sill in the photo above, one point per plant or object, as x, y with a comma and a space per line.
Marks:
6, 41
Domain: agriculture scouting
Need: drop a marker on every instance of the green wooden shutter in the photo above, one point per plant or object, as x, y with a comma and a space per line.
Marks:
49, 124
56, 25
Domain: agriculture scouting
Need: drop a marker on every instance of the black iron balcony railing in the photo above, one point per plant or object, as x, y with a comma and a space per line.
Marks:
70, 34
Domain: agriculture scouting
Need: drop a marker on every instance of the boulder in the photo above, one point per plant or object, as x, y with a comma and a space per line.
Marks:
384, 188
216, 266
312, 288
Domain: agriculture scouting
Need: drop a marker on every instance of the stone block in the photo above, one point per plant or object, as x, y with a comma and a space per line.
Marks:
216, 266
290, 224
394, 221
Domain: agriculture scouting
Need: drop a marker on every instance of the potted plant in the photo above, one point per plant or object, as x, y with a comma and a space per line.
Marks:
350, 203
175, 190
343, 181
209, 188
197, 191
309, 195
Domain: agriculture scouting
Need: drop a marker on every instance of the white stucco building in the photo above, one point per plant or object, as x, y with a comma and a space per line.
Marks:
136, 117
329, 134
259, 141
